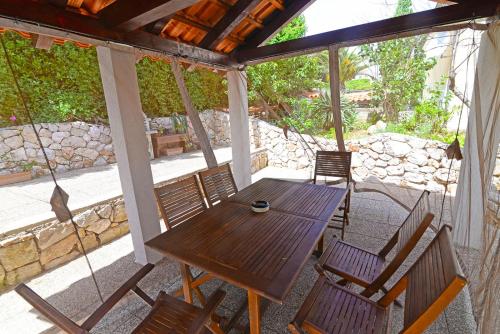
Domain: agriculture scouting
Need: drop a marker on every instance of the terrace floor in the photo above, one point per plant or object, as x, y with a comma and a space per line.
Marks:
27, 203
70, 289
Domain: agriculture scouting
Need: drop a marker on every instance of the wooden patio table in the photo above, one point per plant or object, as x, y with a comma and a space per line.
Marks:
262, 253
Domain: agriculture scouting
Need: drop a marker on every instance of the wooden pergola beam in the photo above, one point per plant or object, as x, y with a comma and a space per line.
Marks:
276, 23
198, 128
234, 16
334, 67
129, 15
35, 17
388, 27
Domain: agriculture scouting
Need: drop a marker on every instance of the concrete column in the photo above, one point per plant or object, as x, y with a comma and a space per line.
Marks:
240, 134
121, 90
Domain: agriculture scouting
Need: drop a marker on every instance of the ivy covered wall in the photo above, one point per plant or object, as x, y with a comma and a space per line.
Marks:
64, 84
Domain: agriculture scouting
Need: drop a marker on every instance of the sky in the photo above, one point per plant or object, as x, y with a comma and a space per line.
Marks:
326, 15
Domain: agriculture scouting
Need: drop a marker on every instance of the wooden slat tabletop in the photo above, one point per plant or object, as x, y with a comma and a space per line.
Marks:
301, 199
260, 252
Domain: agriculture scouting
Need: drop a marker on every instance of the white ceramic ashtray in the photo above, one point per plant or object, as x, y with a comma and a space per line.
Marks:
260, 206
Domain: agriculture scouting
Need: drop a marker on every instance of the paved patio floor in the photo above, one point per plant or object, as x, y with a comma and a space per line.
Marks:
70, 289
27, 203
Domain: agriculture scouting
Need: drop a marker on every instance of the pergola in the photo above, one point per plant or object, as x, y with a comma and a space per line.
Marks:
225, 35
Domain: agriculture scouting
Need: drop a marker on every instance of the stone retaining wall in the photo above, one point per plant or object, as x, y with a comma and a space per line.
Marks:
67, 145
398, 159
48, 245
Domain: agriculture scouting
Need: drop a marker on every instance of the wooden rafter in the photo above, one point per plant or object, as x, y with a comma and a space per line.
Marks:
389, 27
129, 15
277, 22
226, 25
57, 22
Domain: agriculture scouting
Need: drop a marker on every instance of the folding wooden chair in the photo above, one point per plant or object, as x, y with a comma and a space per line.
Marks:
178, 202
431, 284
335, 164
168, 314
218, 184
369, 270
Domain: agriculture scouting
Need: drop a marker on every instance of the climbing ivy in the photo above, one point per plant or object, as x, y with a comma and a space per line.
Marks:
63, 84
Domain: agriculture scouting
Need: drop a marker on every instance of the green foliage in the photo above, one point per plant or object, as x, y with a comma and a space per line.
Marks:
430, 117
64, 84
350, 64
295, 29
358, 84
160, 95
315, 116
60, 84
432, 114
306, 116
402, 65
283, 80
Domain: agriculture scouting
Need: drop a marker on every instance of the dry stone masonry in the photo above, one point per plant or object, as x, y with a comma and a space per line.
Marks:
68, 146
28, 253
394, 158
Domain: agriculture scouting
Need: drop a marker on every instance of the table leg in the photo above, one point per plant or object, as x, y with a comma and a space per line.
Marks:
254, 312
186, 283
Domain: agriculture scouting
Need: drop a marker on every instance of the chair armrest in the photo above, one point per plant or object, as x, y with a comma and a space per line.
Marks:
198, 323
129, 285
48, 310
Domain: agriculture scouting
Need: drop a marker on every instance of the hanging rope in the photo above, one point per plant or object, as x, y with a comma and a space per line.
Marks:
58, 189
454, 154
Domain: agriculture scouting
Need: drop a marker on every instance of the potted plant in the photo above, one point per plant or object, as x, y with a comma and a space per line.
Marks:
171, 141
18, 176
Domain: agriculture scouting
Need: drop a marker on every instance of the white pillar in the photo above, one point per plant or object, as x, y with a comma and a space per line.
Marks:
240, 134
121, 90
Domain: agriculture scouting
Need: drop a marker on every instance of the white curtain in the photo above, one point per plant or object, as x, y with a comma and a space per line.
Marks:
481, 145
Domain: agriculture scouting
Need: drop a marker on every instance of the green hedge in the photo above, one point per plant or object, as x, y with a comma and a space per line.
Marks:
63, 84
358, 84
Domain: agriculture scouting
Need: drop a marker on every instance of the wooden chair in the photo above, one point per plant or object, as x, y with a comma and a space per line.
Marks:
168, 314
178, 202
369, 270
218, 184
335, 164
431, 284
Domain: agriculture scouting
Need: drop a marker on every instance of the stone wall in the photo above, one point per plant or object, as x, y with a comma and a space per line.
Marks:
68, 146
80, 145
394, 158
47, 245
28, 253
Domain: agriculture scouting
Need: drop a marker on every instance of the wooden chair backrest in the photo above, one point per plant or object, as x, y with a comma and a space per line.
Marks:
415, 224
333, 163
404, 241
49, 311
431, 284
180, 201
218, 184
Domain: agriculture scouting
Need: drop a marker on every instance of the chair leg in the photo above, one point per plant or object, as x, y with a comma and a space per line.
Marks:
319, 250
214, 327
396, 301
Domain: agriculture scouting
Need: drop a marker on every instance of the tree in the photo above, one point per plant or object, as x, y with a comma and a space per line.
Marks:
402, 66
282, 81
350, 64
